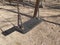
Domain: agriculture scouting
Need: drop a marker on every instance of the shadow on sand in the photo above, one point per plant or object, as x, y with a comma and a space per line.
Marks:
29, 25
55, 6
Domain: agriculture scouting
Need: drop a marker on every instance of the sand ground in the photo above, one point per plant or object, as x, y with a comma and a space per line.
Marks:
46, 32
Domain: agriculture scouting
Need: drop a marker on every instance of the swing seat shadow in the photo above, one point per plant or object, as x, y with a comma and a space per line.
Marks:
29, 25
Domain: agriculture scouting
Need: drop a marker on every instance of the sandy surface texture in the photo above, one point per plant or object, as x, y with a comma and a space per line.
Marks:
42, 31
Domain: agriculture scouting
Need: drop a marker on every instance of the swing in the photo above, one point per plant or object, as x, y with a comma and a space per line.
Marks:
19, 20
19, 26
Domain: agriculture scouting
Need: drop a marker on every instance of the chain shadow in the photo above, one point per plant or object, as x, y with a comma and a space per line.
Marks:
17, 12
41, 17
50, 21
53, 16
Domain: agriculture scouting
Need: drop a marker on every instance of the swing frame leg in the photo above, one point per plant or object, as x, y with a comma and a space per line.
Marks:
19, 16
19, 20
36, 8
